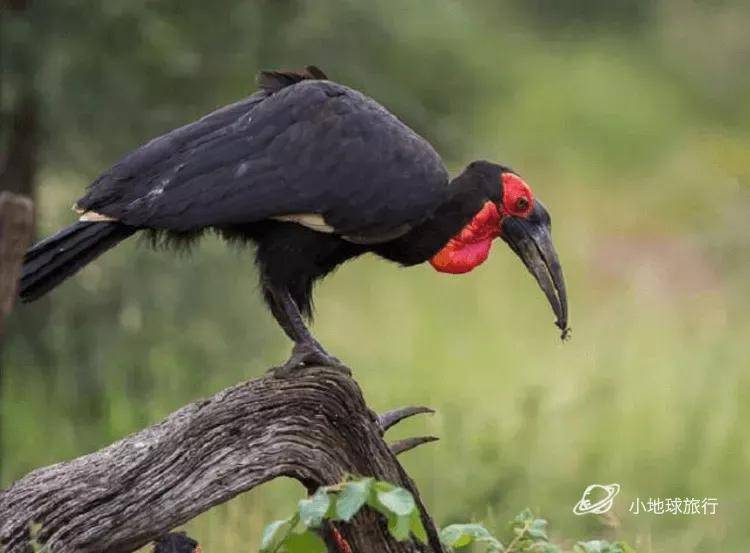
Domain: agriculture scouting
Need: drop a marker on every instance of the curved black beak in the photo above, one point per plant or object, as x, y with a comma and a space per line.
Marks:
531, 239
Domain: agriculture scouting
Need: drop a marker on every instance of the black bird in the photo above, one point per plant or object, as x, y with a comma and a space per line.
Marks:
314, 173
176, 542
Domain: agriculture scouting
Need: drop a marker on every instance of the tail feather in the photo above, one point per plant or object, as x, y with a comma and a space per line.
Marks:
60, 256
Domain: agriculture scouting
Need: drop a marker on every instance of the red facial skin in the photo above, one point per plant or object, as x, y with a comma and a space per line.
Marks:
471, 246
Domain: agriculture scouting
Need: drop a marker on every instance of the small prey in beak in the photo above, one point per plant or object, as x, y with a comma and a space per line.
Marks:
530, 238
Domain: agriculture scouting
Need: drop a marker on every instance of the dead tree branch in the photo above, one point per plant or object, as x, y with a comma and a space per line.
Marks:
314, 427
16, 229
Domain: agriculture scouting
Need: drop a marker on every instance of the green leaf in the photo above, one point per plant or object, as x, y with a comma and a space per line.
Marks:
274, 535
307, 542
397, 501
538, 529
461, 535
383, 486
353, 495
455, 536
312, 510
523, 518
399, 526
416, 527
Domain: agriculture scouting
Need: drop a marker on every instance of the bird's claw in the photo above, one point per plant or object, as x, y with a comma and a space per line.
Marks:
391, 418
308, 355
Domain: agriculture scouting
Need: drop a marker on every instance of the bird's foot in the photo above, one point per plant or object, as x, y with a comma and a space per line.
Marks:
306, 355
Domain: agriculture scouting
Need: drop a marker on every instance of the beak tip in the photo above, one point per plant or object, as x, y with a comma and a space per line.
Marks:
565, 330
531, 241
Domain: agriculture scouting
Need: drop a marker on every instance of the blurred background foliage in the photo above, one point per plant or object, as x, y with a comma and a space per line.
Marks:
630, 119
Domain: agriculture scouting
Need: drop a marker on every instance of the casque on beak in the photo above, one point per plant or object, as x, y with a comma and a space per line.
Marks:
530, 238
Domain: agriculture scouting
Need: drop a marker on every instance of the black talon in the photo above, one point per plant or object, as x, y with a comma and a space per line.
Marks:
401, 446
390, 418
306, 354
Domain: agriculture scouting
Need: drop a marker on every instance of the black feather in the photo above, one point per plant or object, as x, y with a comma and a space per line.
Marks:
180, 242
273, 81
316, 147
62, 255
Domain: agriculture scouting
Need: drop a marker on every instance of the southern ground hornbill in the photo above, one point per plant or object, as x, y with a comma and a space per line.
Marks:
314, 173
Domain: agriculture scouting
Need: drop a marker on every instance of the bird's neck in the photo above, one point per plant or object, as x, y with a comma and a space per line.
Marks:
456, 234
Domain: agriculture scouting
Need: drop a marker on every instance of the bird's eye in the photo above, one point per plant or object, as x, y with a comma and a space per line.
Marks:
521, 204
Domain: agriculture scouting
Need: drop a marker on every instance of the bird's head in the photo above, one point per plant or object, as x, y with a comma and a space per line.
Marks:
504, 206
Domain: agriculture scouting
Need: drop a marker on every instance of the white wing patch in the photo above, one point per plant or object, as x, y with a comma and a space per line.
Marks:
317, 223
312, 221
93, 216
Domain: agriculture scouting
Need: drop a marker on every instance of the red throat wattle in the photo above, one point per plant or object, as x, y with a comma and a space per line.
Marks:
470, 247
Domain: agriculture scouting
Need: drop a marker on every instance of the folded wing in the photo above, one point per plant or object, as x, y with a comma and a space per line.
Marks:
309, 147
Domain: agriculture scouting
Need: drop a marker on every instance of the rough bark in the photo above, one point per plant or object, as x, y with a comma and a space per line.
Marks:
16, 229
314, 427
18, 164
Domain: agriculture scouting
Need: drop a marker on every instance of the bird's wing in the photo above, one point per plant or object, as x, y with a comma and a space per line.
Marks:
312, 151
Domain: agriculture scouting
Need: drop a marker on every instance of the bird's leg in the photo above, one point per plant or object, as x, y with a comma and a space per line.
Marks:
307, 350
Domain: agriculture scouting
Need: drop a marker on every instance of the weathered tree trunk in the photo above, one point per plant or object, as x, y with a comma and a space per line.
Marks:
16, 229
314, 427
19, 164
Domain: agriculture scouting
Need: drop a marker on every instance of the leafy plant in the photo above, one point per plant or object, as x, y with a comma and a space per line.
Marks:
528, 534
457, 536
341, 502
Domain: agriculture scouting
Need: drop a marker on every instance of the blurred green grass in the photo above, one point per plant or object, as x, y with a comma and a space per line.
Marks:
639, 145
